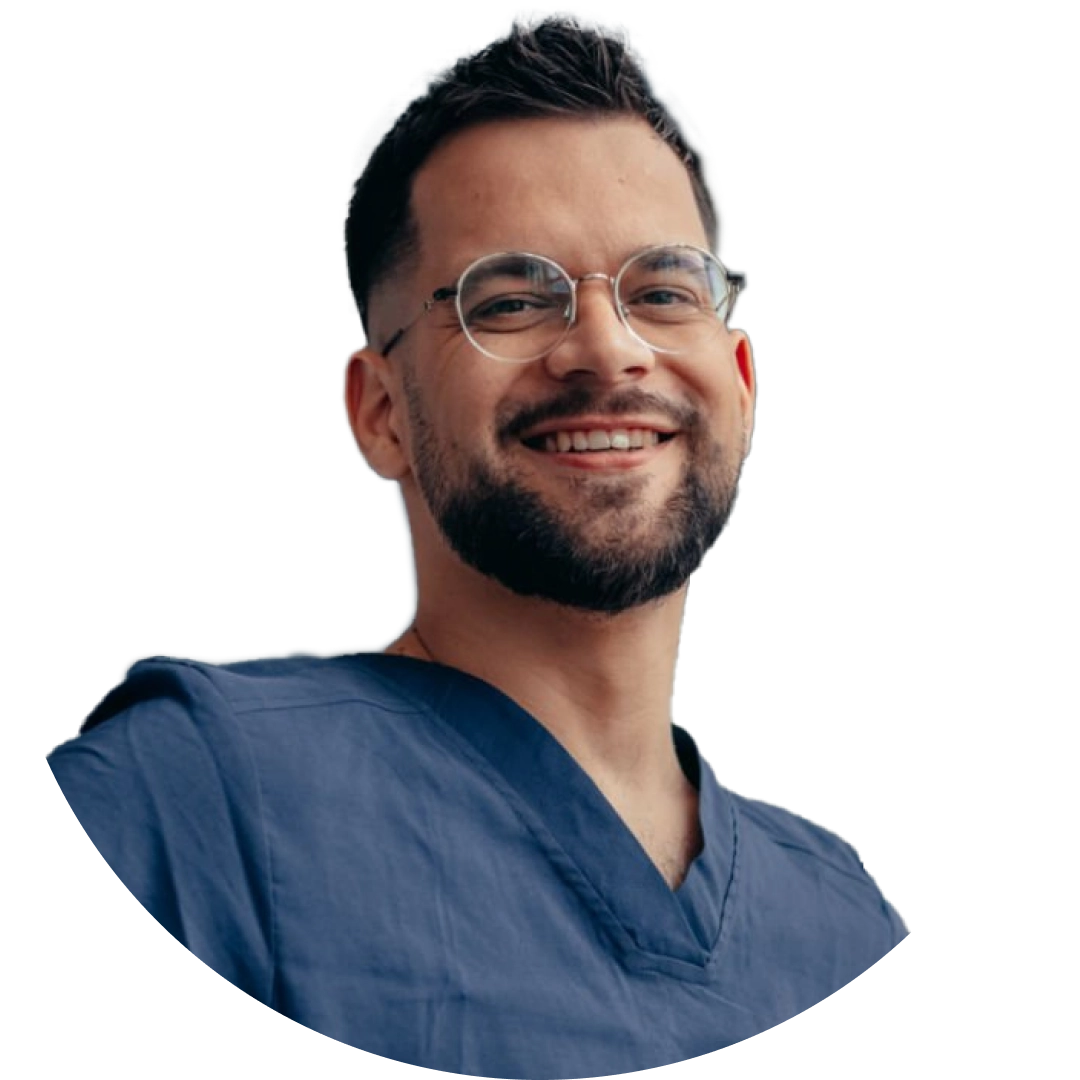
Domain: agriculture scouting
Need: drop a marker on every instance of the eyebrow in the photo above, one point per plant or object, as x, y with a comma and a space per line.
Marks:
667, 258
512, 266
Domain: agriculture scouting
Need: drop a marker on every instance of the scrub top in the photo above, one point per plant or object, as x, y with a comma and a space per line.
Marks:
397, 855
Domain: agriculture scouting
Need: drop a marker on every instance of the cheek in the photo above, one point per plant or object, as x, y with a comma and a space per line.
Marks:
466, 398
727, 388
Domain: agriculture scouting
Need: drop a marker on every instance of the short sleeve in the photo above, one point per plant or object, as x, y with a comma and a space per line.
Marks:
161, 781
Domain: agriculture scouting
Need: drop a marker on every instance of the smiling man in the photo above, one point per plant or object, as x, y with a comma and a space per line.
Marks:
488, 850
567, 422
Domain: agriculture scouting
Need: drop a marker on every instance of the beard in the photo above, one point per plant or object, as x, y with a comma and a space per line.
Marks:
507, 531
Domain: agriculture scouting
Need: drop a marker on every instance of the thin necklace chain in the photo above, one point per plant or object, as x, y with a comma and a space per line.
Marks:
423, 644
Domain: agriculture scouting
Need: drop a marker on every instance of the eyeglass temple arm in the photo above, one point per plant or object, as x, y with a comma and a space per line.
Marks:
736, 282
447, 292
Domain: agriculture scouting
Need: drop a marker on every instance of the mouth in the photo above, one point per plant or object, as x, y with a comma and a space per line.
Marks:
601, 459
589, 439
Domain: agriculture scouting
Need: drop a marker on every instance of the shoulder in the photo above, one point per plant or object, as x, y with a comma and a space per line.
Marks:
173, 717
790, 849
278, 680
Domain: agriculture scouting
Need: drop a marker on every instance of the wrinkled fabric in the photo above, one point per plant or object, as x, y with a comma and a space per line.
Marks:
397, 855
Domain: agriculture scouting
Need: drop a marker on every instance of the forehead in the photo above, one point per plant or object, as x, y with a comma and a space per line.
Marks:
585, 192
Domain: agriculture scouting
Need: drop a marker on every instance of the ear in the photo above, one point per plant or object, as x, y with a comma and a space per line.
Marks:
374, 414
747, 385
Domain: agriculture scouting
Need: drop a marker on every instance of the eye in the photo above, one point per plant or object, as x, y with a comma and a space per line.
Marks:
512, 312
508, 304
665, 297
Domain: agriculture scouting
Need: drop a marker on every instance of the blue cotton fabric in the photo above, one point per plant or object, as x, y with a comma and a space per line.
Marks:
397, 855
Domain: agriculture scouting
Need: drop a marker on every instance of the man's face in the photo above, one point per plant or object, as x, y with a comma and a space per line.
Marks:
600, 530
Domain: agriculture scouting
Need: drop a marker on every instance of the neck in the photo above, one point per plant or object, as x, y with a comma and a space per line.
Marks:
601, 684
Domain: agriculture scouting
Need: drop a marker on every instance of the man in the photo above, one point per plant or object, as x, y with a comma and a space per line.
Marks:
488, 850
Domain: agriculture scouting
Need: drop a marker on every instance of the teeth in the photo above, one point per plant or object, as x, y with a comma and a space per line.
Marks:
620, 439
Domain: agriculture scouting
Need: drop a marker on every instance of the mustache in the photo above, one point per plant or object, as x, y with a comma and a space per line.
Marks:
583, 402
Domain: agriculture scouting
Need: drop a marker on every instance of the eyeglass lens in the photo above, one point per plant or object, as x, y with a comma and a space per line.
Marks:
519, 307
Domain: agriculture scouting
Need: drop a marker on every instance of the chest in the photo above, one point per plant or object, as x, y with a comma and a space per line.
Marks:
671, 848
672, 841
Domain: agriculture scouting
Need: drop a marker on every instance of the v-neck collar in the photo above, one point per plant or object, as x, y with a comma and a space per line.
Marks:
679, 932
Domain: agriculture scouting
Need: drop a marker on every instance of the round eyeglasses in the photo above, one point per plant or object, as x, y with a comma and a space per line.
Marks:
517, 307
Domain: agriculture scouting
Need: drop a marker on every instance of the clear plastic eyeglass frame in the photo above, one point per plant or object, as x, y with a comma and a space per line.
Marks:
733, 284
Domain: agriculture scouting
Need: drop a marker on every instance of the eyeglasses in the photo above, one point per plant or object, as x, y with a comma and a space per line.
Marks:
518, 307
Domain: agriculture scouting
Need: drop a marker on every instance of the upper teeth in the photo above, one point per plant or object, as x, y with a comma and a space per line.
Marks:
598, 439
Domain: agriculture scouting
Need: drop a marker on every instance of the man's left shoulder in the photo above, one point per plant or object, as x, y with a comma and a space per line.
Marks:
809, 852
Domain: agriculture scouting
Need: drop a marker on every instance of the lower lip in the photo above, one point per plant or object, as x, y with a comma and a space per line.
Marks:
603, 460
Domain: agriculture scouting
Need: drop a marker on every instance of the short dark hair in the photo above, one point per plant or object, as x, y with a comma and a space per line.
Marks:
555, 68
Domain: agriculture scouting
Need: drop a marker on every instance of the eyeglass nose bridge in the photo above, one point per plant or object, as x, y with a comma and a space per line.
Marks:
596, 275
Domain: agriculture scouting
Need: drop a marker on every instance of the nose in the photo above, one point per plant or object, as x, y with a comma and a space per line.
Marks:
599, 345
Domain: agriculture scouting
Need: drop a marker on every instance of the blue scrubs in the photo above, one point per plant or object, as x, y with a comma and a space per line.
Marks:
397, 855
